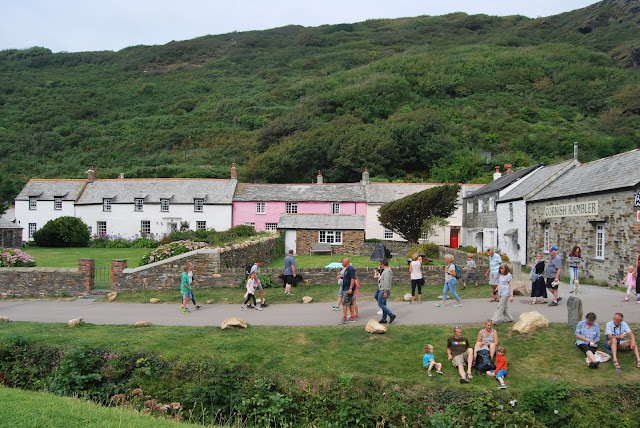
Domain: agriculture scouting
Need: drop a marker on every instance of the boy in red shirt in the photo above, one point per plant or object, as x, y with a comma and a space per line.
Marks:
501, 367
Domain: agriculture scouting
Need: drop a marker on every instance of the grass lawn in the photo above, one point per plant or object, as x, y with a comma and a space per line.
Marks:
68, 257
37, 409
314, 261
315, 353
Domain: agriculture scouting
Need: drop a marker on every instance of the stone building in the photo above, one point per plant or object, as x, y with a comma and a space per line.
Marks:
596, 206
345, 233
10, 234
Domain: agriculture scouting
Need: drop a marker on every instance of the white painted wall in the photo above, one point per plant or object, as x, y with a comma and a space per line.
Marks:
506, 243
41, 215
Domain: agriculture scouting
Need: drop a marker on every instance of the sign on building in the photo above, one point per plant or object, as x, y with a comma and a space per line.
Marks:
572, 210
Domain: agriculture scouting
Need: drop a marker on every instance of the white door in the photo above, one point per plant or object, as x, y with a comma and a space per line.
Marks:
290, 241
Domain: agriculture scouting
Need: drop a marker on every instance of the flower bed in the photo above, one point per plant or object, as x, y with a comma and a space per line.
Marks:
15, 258
172, 249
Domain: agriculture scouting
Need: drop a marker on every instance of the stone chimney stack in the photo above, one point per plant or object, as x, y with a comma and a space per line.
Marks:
575, 151
121, 176
319, 179
507, 166
365, 176
91, 174
497, 174
234, 172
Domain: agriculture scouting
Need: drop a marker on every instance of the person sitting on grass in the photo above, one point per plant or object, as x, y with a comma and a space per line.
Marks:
459, 353
588, 337
185, 289
501, 367
620, 338
429, 362
487, 339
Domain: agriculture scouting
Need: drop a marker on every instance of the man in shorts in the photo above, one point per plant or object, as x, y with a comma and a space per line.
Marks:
254, 269
289, 273
552, 274
348, 288
494, 273
620, 338
460, 353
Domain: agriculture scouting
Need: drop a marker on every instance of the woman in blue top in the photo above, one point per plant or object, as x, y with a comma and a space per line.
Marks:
588, 337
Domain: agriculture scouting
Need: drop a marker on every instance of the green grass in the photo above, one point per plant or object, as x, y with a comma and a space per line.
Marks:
320, 294
316, 261
37, 409
68, 257
316, 353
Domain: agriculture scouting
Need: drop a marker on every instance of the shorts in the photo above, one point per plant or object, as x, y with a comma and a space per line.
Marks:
623, 345
470, 276
460, 359
549, 281
494, 278
290, 279
501, 373
187, 296
340, 292
585, 347
347, 298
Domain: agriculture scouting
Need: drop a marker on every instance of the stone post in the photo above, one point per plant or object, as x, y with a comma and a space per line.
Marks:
117, 266
87, 270
574, 309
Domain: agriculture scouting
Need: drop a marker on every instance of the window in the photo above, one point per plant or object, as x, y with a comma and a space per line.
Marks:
292, 207
164, 205
201, 225
249, 223
388, 233
492, 204
260, 208
479, 205
106, 204
510, 211
330, 237
90, 230
101, 228
547, 234
198, 205
32, 228
469, 207
139, 204
600, 241
271, 227
145, 227
33, 202
335, 208
424, 236
57, 203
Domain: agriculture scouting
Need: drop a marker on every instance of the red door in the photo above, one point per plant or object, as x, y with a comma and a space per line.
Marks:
453, 238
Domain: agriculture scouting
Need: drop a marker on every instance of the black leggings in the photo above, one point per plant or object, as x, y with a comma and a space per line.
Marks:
419, 283
249, 297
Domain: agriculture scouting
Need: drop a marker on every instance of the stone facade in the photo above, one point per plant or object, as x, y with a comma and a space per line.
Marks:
351, 241
616, 213
10, 238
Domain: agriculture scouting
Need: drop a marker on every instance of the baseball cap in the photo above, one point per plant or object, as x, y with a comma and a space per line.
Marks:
553, 249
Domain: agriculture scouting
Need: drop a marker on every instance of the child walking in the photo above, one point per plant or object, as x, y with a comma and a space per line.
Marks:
252, 283
428, 362
501, 367
630, 282
185, 289
471, 271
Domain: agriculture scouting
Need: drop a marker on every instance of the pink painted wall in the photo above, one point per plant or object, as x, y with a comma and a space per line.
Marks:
245, 212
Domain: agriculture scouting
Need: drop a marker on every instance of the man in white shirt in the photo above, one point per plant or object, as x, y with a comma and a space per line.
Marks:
620, 338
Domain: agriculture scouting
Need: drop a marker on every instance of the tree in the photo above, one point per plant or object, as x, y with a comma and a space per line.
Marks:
63, 232
407, 216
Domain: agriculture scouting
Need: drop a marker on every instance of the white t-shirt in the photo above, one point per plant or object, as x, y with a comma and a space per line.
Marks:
416, 269
503, 285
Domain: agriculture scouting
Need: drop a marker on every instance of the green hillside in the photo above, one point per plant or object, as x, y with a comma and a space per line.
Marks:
411, 98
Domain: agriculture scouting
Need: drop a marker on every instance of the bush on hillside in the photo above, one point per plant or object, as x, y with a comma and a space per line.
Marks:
63, 232
15, 258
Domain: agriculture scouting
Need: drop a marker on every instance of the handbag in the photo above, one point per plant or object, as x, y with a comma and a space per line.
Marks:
533, 276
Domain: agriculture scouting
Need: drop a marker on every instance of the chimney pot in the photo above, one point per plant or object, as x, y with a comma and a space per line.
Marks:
121, 175
234, 172
575, 151
319, 179
365, 176
91, 174
497, 174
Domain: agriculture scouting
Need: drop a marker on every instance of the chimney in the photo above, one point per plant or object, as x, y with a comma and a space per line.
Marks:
121, 176
234, 173
319, 177
575, 151
508, 168
497, 174
91, 174
365, 176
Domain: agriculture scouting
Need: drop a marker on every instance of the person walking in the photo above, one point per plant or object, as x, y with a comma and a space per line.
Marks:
493, 273
348, 288
538, 288
575, 257
415, 268
185, 289
449, 282
254, 269
505, 294
289, 273
554, 269
384, 287
191, 282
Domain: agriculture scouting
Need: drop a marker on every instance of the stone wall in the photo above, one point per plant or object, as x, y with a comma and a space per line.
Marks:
41, 282
399, 247
10, 238
351, 241
460, 258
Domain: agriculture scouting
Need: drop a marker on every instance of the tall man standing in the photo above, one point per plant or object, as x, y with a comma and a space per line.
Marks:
554, 269
384, 291
289, 272
494, 273
348, 288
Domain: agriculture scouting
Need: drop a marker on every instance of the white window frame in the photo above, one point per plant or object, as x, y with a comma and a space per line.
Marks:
101, 225
201, 225
106, 204
547, 237
479, 205
291, 207
469, 207
492, 204
600, 241
333, 237
164, 205
198, 205
138, 204
260, 208
510, 211
32, 228
335, 208
271, 227
57, 202
250, 223
33, 202
387, 234
423, 236
144, 223
90, 230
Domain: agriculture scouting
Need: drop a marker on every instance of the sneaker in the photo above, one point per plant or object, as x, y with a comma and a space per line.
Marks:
335, 308
553, 304
264, 304
429, 374
250, 306
392, 318
181, 307
384, 321
440, 305
559, 298
464, 380
243, 308
502, 386
258, 308
625, 300
379, 312
198, 306
570, 291
457, 305
186, 311
351, 320
439, 371
342, 321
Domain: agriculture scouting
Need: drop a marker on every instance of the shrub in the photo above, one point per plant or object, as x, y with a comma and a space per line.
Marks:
428, 248
109, 241
242, 230
172, 249
468, 249
63, 232
15, 258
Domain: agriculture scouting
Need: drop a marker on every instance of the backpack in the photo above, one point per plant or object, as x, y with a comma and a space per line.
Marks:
247, 271
458, 271
483, 361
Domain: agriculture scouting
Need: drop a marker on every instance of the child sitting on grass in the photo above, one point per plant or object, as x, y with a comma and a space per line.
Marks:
429, 362
501, 367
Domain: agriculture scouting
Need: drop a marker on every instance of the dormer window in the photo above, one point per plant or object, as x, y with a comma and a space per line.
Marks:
139, 204
106, 204
57, 203
33, 202
198, 205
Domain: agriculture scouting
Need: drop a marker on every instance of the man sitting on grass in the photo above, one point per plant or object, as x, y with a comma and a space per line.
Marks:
459, 353
620, 338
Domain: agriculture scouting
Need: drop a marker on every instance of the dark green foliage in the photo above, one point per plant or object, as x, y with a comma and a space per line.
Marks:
63, 232
406, 216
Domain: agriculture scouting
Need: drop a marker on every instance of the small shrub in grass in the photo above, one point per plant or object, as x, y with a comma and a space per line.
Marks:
15, 258
171, 249
468, 249
428, 248
63, 232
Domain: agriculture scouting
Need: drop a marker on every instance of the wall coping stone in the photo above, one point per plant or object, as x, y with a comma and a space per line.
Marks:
37, 269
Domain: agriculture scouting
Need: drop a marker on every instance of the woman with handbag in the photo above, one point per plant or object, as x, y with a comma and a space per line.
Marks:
538, 288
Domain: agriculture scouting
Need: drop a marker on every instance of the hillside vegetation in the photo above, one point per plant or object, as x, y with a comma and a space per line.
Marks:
411, 98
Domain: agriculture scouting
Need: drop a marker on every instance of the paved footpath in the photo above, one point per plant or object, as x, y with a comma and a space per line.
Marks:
600, 300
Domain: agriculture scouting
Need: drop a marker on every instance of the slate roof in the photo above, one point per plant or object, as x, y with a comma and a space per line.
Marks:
536, 181
177, 190
46, 190
504, 181
381, 193
333, 192
611, 173
6, 224
321, 221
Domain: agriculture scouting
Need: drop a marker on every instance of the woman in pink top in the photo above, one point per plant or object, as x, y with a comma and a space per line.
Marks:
415, 267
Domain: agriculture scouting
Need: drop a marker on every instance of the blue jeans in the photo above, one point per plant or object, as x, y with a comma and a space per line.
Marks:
451, 285
375, 296
382, 303
573, 274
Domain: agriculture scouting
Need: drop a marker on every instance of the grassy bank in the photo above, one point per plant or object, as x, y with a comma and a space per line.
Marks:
68, 257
